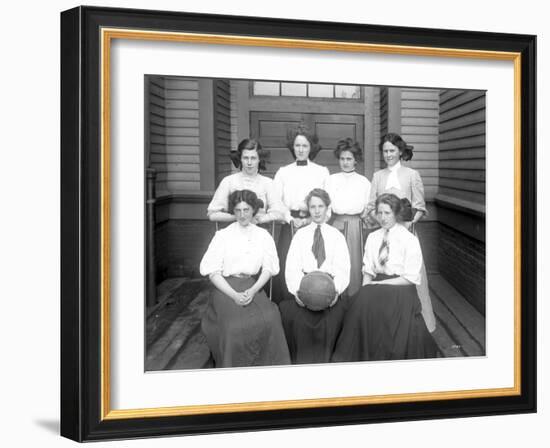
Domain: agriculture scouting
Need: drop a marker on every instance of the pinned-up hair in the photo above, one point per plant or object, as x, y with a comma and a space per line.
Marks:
405, 150
249, 144
311, 137
401, 208
348, 144
247, 196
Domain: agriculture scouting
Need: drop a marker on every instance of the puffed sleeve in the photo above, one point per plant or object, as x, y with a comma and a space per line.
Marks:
367, 192
368, 257
326, 176
293, 268
372, 192
417, 188
270, 260
219, 201
278, 182
274, 204
212, 260
325, 186
341, 269
330, 189
413, 260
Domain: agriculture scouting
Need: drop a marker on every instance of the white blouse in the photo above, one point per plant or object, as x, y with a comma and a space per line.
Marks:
349, 193
261, 185
393, 180
405, 255
301, 261
293, 183
238, 250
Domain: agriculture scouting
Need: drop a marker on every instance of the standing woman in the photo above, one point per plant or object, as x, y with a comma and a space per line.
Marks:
349, 194
242, 326
249, 159
312, 335
404, 182
384, 321
292, 184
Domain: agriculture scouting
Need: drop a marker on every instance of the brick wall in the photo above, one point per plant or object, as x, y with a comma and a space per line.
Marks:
461, 260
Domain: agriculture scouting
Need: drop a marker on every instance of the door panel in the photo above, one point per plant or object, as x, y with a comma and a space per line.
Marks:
271, 129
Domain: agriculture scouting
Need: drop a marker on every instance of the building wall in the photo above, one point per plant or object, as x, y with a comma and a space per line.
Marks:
413, 114
461, 196
379, 119
174, 138
461, 261
462, 146
181, 243
233, 108
420, 128
222, 128
155, 126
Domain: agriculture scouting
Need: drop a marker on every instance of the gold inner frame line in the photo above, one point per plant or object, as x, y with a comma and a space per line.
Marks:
107, 35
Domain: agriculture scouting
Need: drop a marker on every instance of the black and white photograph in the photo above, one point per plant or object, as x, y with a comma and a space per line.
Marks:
297, 223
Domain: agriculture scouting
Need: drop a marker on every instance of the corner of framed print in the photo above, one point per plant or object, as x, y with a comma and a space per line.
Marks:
279, 224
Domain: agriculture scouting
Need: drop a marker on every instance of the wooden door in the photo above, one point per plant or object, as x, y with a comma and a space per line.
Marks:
271, 129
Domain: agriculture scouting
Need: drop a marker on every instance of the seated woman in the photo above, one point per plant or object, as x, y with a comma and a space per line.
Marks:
404, 182
312, 335
249, 159
242, 326
384, 320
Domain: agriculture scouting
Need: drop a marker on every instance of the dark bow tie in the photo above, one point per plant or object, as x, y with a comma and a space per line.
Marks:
301, 162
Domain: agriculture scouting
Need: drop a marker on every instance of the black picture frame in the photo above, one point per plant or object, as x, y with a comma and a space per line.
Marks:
82, 406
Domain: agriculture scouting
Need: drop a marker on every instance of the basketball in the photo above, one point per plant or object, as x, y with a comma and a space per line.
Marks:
317, 290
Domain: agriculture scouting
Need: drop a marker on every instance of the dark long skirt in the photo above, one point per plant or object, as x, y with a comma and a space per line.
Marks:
312, 335
280, 291
384, 322
240, 336
352, 228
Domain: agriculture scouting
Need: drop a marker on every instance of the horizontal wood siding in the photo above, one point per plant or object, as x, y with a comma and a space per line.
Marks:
233, 92
383, 113
420, 128
462, 145
178, 166
157, 129
377, 128
222, 128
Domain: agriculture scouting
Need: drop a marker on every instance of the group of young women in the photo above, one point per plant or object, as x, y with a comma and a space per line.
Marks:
381, 308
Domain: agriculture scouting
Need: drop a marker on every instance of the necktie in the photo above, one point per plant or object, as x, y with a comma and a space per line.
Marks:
384, 251
318, 247
301, 162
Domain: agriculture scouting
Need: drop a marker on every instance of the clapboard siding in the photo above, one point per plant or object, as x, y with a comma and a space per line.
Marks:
233, 88
174, 158
383, 112
462, 142
420, 128
222, 128
377, 129
157, 128
174, 133
182, 113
